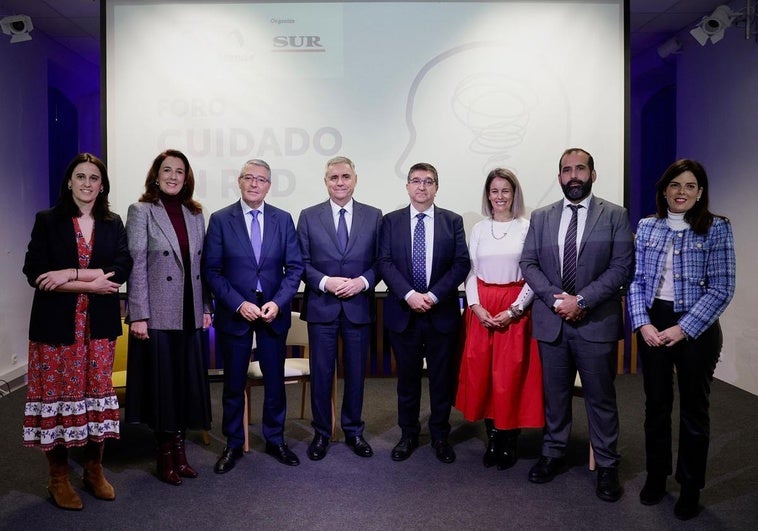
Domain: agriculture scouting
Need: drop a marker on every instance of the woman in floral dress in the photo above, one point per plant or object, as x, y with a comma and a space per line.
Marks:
77, 258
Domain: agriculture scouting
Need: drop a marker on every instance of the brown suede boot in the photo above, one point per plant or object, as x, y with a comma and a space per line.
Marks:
181, 465
59, 486
94, 479
166, 467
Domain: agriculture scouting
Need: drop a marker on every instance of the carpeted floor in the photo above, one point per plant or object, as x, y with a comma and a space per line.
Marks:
345, 491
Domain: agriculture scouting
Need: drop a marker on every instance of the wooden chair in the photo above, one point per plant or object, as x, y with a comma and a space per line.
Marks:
118, 376
296, 370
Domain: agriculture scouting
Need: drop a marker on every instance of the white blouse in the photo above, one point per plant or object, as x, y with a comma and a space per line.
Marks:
495, 249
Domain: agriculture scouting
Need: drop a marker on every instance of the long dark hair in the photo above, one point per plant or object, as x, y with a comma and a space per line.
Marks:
101, 209
152, 190
699, 217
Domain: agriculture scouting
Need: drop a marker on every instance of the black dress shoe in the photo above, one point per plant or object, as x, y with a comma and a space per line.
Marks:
444, 451
359, 445
318, 447
545, 469
688, 504
227, 460
654, 490
608, 486
404, 448
282, 453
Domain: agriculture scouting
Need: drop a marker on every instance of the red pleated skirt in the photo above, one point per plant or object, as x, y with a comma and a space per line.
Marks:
501, 374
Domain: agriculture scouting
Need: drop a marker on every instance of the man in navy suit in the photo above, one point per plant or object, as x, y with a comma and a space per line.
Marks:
339, 239
423, 259
577, 314
252, 264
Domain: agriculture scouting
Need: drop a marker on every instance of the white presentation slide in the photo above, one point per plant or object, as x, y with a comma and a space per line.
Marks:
466, 86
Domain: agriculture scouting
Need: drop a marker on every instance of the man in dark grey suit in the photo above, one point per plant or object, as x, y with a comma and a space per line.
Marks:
339, 241
578, 258
423, 258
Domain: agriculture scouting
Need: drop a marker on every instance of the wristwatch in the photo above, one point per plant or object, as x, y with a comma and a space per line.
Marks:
581, 303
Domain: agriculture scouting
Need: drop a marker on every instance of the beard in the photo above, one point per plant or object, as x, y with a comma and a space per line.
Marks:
576, 190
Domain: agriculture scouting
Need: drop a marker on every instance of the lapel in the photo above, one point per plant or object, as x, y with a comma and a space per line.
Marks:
327, 224
406, 231
552, 230
237, 223
163, 222
358, 228
270, 231
593, 215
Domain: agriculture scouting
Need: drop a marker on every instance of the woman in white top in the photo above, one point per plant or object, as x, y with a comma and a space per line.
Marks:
500, 378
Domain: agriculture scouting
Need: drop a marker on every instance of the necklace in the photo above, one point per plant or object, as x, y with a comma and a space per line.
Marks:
492, 229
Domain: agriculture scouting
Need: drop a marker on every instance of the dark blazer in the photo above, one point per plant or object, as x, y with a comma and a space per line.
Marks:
321, 255
604, 269
53, 247
232, 273
450, 265
156, 283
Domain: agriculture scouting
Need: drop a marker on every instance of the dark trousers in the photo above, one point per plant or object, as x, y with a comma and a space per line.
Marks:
421, 339
597, 365
323, 339
694, 361
270, 352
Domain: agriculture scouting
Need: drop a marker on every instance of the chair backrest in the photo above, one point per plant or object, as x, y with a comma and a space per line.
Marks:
298, 332
122, 343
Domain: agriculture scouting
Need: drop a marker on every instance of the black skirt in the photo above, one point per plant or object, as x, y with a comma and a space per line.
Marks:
167, 381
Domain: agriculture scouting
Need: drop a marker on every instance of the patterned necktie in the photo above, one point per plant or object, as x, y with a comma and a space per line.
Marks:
418, 256
569, 253
342, 231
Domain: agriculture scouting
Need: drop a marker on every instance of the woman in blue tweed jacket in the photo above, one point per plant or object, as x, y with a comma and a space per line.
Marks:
683, 281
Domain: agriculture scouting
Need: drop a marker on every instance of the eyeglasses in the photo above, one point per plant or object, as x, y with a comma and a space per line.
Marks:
248, 178
418, 182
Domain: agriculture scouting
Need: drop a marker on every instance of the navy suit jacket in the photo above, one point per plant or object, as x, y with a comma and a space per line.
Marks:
232, 273
321, 256
450, 265
603, 270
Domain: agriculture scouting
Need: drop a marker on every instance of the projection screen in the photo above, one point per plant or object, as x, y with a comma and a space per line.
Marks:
467, 86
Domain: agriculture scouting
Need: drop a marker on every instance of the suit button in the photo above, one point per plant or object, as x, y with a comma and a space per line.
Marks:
169, 279
165, 253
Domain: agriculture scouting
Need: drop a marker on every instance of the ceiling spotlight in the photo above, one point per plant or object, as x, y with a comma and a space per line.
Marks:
713, 26
671, 46
18, 27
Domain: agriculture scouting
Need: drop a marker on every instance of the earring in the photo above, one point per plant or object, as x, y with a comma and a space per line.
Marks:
156, 182
69, 187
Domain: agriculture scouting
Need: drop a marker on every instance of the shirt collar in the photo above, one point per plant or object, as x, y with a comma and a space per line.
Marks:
429, 211
336, 208
246, 208
584, 202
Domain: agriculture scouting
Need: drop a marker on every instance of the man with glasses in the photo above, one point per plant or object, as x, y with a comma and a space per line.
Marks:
423, 259
252, 264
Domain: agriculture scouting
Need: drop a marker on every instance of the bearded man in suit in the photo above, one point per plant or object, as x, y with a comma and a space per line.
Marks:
578, 258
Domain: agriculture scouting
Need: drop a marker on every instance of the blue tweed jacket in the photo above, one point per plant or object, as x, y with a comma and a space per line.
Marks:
704, 272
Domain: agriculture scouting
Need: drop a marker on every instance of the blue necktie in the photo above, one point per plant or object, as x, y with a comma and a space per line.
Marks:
342, 231
569, 253
255, 234
418, 256
255, 240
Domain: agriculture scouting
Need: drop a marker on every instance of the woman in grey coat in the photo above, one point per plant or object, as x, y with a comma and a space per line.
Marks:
167, 384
